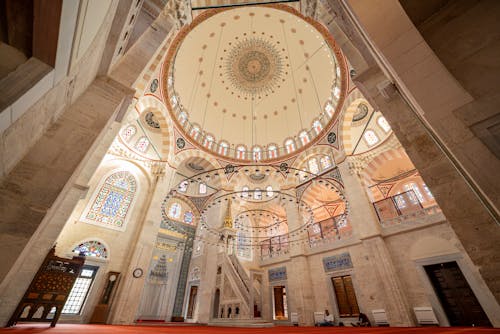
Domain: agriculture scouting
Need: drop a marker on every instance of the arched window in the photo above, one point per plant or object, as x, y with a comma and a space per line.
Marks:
195, 132
326, 162
183, 186
202, 188
129, 132
269, 191
257, 153
243, 245
92, 248
173, 100
240, 152
244, 192
336, 92
223, 148
370, 137
415, 194
428, 192
208, 141
382, 122
188, 217
329, 109
257, 194
400, 201
317, 126
289, 145
113, 200
175, 211
142, 144
183, 117
272, 151
304, 138
313, 165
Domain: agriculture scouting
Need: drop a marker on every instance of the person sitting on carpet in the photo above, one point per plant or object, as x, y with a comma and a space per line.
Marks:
328, 320
363, 321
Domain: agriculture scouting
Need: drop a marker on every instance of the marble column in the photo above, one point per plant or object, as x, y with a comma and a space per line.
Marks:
367, 228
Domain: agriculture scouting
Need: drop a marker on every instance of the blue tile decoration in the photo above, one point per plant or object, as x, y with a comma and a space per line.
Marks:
277, 274
337, 262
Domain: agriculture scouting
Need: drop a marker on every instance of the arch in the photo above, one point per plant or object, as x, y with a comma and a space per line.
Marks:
92, 247
346, 116
166, 126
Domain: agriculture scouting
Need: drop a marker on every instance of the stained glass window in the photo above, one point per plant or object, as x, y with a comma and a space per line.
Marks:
370, 137
243, 245
113, 201
188, 217
92, 248
428, 192
415, 194
183, 117
382, 122
244, 192
183, 186
208, 141
223, 147
326, 162
304, 138
195, 132
329, 109
313, 165
317, 126
400, 201
129, 132
273, 151
289, 145
257, 194
269, 191
257, 153
142, 144
175, 211
240, 152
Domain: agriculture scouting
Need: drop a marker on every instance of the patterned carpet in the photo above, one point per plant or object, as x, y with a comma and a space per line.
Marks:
107, 329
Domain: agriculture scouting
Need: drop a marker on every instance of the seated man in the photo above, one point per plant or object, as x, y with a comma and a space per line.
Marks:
328, 320
363, 321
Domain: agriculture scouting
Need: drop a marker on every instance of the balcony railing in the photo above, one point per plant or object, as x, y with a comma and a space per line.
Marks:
328, 230
274, 247
406, 208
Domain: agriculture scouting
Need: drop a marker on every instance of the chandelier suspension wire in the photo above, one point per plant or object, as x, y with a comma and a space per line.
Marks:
212, 76
293, 77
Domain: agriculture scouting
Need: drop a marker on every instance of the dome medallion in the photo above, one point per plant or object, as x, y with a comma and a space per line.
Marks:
254, 66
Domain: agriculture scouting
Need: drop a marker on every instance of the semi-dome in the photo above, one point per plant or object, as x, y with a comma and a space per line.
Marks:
254, 83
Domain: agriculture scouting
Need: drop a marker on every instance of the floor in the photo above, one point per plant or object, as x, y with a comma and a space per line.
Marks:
107, 329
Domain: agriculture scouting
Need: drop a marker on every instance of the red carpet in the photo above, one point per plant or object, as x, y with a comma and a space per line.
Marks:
107, 329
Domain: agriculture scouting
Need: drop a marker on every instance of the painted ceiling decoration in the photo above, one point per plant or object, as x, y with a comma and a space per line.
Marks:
240, 82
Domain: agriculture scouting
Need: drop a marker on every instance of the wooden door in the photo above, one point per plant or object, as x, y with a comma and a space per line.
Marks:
192, 301
279, 307
457, 298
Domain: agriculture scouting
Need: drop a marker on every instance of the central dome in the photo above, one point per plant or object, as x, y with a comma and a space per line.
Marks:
254, 83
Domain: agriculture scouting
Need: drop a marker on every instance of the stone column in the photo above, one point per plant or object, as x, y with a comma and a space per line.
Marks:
140, 252
300, 291
367, 228
209, 266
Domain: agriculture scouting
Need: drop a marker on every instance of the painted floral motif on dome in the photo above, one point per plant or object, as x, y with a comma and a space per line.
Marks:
254, 66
